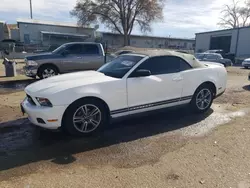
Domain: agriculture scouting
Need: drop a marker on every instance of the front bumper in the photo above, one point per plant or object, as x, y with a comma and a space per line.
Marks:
30, 71
38, 113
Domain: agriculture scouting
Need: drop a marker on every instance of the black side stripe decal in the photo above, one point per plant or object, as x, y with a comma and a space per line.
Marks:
186, 98
150, 105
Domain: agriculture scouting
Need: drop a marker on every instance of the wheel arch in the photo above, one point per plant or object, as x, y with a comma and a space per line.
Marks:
89, 97
47, 64
210, 84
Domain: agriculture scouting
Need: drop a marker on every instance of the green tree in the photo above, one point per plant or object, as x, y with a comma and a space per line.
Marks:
119, 15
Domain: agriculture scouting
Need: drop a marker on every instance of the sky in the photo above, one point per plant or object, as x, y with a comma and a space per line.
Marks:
182, 18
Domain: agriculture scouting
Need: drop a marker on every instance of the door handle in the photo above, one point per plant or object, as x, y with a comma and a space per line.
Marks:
177, 78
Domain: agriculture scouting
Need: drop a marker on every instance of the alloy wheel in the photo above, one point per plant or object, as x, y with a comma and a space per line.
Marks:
48, 73
87, 118
203, 99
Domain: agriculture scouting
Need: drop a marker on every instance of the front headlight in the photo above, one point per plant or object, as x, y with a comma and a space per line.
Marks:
44, 101
31, 63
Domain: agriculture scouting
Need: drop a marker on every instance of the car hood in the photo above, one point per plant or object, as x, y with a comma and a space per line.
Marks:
41, 56
248, 59
63, 82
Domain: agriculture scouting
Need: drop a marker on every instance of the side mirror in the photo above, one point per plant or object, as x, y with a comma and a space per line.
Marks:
141, 73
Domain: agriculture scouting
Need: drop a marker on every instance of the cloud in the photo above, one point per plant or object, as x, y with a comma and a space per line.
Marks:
182, 18
191, 15
38, 5
42, 9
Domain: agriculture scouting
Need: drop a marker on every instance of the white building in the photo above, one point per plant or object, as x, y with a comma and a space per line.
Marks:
116, 40
235, 41
45, 33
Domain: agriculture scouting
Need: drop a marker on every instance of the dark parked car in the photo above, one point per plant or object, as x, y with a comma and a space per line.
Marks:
213, 57
223, 54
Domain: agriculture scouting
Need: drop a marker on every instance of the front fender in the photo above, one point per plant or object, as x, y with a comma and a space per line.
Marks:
72, 94
114, 94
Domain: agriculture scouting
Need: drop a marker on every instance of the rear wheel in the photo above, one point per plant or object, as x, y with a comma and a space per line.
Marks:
47, 71
202, 99
246, 67
85, 117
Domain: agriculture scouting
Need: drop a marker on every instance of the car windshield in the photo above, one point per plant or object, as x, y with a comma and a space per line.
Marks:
120, 66
59, 49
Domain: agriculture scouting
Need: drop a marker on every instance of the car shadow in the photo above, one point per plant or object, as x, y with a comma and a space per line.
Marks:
246, 87
16, 84
25, 144
13, 86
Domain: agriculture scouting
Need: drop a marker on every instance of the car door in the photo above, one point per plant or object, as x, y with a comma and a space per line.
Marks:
91, 57
72, 57
161, 89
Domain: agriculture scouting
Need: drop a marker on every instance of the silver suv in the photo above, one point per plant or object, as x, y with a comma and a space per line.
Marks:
70, 57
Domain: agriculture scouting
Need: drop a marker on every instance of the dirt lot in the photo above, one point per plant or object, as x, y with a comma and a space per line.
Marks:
156, 150
19, 67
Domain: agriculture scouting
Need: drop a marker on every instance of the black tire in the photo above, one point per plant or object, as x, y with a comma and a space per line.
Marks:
42, 70
194, 102
246, 67
70, 127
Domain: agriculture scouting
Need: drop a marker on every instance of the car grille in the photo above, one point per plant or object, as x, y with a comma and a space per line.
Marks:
30, 100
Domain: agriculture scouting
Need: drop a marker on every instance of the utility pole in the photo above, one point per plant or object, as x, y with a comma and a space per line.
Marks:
31, 14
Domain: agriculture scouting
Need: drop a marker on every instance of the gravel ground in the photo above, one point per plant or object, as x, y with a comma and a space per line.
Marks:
155, 150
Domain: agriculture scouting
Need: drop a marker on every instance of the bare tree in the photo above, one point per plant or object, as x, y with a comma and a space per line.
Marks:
119, 15
244, 13
234, 15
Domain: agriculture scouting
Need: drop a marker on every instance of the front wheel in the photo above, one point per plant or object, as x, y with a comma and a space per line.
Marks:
84, 117
47, 71
202, 99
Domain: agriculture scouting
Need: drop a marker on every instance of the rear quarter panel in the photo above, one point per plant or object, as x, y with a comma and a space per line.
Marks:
92, 62
193, 78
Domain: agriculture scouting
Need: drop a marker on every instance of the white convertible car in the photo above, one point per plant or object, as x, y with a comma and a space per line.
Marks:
83, 102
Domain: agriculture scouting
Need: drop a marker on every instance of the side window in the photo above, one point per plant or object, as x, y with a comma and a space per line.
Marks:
210, 56
165, 65
161, 65
218, 56
74, 49
90, 49
184, 65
